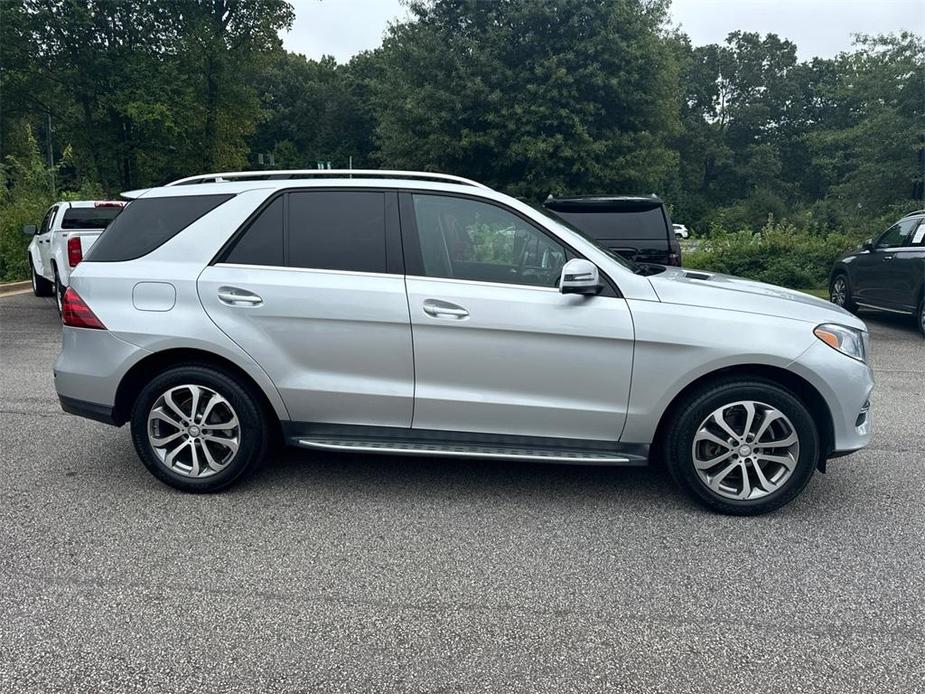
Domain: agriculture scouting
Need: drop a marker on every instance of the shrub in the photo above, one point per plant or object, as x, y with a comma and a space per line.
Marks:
778, 254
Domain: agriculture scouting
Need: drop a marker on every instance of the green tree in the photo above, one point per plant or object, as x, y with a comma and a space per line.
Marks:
535, 96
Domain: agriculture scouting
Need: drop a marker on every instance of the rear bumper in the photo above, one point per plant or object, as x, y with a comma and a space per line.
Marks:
89, 369
90, 410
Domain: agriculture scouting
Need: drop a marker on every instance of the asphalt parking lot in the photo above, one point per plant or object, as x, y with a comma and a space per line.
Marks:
375, 574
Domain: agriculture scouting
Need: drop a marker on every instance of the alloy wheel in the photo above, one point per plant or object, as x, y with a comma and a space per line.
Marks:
745, 450
839, 294
194, 431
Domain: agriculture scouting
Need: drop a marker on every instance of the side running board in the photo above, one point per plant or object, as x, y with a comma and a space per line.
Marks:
546, 455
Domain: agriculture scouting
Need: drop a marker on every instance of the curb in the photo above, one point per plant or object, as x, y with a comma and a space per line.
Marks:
14, 287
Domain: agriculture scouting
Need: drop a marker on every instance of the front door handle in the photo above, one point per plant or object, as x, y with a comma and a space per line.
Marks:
443, 309
238, 297
887, 257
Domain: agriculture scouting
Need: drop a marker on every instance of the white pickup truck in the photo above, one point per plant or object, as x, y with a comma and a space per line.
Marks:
59, 244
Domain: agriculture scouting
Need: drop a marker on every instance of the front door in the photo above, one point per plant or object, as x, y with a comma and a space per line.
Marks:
497, 348
875, 272
308, 291
43, 243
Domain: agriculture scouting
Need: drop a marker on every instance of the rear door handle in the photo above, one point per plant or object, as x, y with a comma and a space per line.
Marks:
887, 257
238, 297
444, 309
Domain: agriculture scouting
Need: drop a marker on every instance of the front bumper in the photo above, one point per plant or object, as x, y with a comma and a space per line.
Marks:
846, 385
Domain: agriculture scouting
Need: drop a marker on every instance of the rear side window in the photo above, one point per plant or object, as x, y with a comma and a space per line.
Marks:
262, 240
148, 223
612, 225
337, 230
89, 217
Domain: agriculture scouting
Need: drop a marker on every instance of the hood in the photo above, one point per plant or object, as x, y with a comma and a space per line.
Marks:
711, 290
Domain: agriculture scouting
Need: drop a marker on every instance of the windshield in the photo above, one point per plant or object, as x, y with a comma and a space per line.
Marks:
565, 224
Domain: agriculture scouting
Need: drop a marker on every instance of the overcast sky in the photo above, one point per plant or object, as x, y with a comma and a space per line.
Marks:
343, 28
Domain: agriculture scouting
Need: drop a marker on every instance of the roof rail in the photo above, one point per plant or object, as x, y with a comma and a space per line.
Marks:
909, 214
311, 173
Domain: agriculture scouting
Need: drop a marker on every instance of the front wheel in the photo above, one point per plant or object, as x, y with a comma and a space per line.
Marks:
920, 316
742, 447
197, 429
840, 293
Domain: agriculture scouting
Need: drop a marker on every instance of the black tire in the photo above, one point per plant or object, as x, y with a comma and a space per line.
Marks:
848, 301
58, 292
253, 442
920, 316
40, 286
687, 418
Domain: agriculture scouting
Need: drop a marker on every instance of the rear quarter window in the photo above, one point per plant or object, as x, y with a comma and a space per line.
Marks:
147, 223
89, 217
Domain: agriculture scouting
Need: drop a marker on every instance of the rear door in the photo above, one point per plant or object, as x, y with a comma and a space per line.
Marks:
497, 348
909, 269
313, 289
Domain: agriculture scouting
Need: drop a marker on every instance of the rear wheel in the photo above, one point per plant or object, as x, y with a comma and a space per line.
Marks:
742, 447
840, 292
920, 316
58, 291
40, 286
197, 429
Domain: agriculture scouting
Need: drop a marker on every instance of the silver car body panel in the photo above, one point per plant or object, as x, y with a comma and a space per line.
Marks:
523, 360
336, 344
358, 348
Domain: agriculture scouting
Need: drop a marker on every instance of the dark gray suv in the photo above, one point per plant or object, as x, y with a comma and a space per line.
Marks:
887, 273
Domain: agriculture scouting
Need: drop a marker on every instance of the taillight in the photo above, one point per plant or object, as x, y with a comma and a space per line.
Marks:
76, 313
74, 252
674, 259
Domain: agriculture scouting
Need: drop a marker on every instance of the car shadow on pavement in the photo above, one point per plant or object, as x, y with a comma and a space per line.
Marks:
893, 321
347, 473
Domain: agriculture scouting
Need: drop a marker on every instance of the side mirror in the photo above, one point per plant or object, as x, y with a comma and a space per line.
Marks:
29, 229
868, 245
580, 276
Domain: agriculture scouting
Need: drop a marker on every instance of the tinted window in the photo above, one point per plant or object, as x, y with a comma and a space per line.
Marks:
147, 223
610, 225
337, 230
471, 240
89, 217
46, 222
897, 234
262, 240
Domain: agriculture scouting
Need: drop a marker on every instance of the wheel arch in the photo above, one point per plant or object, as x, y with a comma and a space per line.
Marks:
801, 388
144, 370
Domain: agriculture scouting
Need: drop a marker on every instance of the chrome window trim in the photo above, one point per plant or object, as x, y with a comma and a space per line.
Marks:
483, 283
326, 271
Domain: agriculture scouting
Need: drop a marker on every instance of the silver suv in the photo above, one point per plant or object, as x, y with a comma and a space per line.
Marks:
397, 312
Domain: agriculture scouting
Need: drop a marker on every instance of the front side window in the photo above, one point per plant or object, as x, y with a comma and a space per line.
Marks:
897, 234
46, 222
337, 230
472, 240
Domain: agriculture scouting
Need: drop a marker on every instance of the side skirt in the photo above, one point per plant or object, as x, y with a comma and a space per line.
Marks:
458, 444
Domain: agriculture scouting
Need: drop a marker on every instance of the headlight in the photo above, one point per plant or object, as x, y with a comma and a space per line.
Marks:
850, 341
